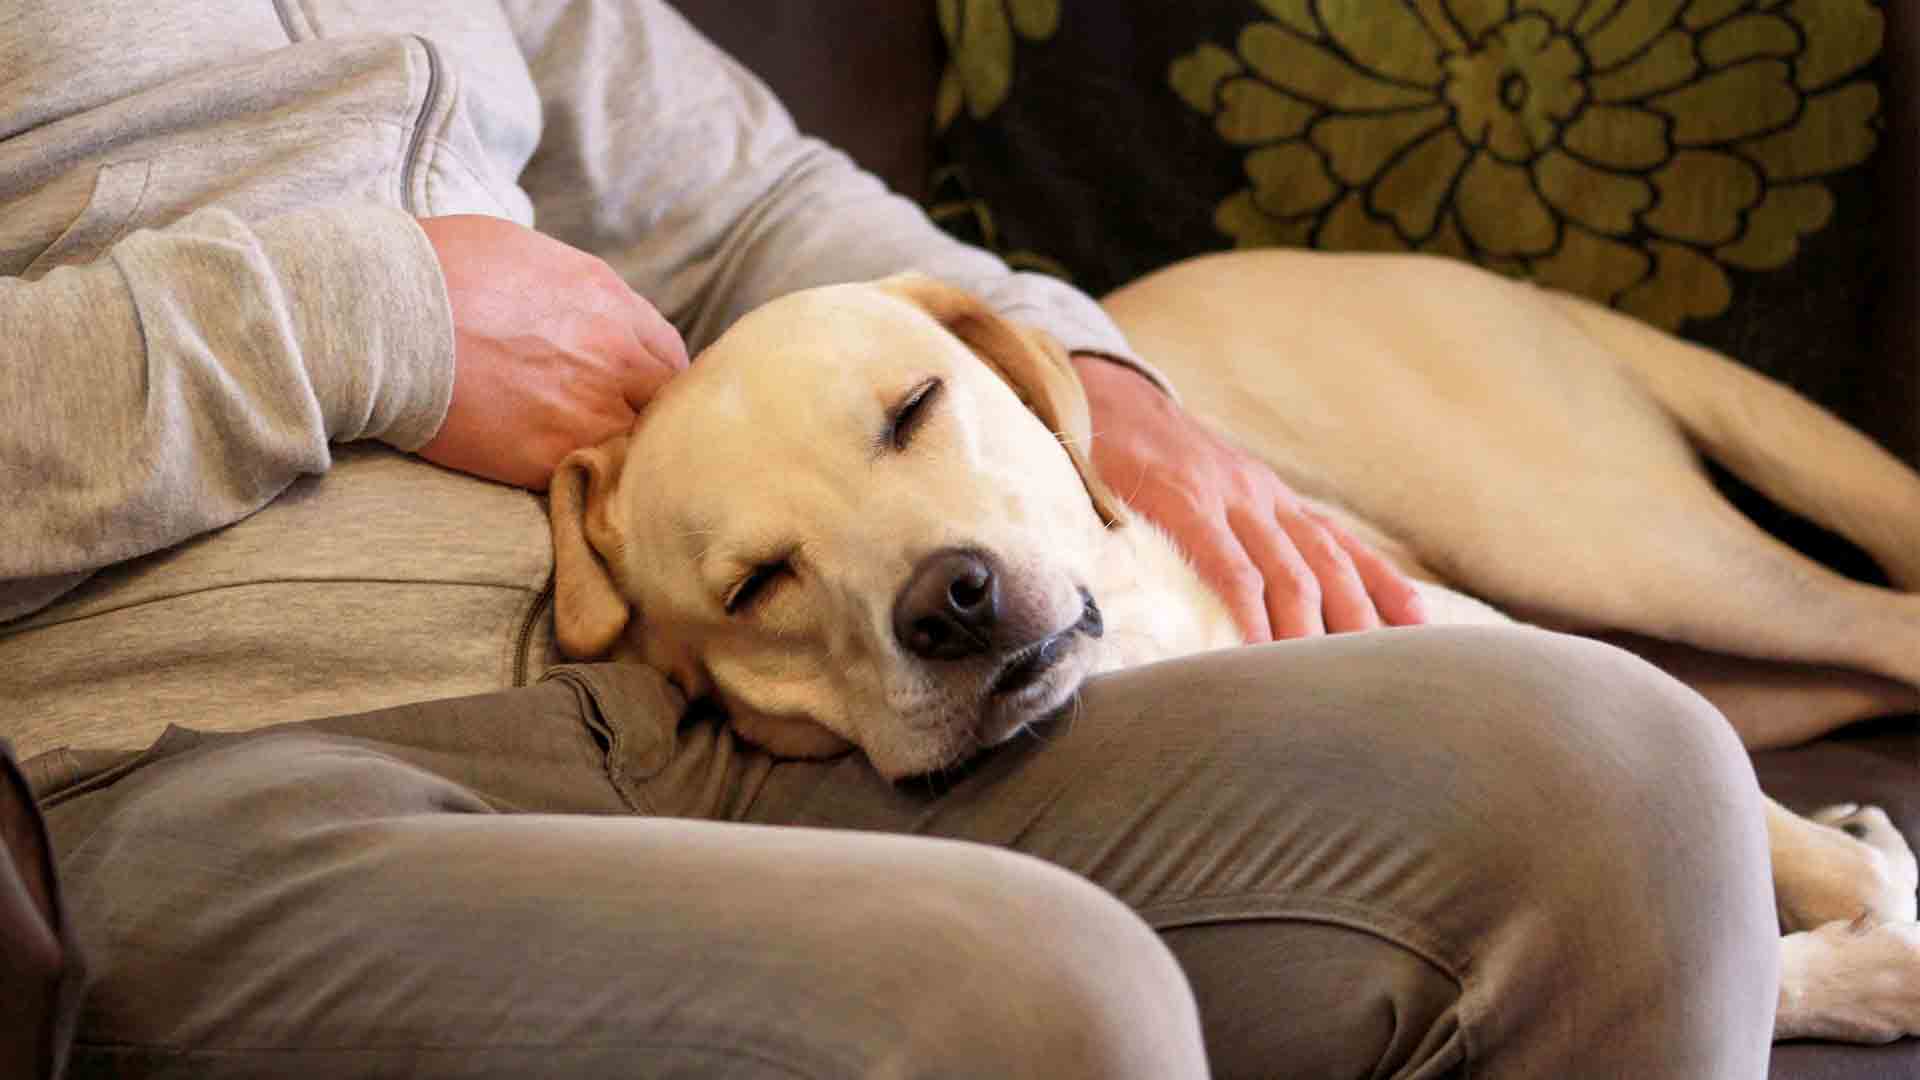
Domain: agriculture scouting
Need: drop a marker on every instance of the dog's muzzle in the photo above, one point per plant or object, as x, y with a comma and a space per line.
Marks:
1027, 664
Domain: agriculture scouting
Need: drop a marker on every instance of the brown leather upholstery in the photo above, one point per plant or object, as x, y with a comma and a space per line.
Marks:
40, 971
1895, 417
859, 73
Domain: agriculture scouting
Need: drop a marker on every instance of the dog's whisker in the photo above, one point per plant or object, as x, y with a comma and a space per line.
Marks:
1138, 482
1119, 634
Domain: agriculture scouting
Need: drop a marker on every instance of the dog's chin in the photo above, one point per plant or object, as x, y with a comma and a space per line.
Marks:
1031, 688
1000, 717
1040, 679
1027, 690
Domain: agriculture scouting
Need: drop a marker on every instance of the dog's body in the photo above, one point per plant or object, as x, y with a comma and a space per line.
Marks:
867, 516
1539, 452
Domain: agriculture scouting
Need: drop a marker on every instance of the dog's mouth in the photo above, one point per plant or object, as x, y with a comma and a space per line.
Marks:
1028, 664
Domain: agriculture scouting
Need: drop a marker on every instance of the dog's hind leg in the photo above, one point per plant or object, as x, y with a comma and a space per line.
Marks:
1815, 465
1788, 448
1497, 433
1773, 703
1690, 568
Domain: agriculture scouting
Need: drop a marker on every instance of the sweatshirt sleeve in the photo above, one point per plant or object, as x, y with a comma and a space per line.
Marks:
187, 376
667, 158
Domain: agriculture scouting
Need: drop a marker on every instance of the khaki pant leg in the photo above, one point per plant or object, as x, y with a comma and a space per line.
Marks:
334, 899
1398, 854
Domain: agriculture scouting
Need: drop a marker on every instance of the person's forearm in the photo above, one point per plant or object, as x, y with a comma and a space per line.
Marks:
190, 374
678, 166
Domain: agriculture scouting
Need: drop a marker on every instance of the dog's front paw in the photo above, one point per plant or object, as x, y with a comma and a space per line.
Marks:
1853, 981
1891, 892
1849, 862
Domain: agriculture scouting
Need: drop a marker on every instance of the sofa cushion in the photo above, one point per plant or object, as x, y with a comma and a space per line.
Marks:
858, 73
1703, 164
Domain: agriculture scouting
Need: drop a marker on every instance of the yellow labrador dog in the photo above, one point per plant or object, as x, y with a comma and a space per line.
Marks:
866, 516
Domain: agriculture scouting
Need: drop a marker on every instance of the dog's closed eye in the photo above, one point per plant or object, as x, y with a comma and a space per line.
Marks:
906, 417
756, 584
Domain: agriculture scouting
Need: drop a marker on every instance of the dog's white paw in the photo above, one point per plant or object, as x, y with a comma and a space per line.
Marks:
1853, 981
1897, 879
1849, 862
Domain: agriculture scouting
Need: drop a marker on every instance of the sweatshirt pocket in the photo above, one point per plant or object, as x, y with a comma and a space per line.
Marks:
118, 190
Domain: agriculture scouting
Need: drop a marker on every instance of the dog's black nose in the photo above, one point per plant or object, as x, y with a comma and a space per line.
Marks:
949, 606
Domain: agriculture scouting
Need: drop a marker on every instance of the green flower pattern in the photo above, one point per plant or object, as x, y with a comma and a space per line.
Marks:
980, 40
1628, 150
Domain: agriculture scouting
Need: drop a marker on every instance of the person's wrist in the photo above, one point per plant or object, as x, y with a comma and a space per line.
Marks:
1100, 361
1113, 373
1111, 383
372, 320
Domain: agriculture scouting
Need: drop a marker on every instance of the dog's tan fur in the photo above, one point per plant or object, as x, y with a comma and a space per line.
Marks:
1521, 447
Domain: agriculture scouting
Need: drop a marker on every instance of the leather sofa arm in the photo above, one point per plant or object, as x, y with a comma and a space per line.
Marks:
41, 975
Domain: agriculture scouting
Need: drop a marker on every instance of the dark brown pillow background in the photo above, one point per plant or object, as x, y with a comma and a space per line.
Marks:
1101, 139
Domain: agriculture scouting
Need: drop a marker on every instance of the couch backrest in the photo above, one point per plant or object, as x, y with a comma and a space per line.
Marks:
859, 73
1897, 421
863, 74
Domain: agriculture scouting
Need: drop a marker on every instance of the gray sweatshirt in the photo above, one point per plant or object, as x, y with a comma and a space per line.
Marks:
220, 327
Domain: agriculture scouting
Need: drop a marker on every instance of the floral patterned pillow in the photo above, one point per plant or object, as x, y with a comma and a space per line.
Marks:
1699, 163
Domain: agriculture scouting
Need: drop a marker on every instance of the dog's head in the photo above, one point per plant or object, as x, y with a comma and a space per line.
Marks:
865, 515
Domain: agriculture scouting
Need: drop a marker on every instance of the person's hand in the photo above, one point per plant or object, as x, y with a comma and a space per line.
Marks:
552, 351
1283, 570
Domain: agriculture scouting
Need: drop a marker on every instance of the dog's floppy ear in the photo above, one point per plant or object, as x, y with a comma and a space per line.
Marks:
589, 612
1031, 362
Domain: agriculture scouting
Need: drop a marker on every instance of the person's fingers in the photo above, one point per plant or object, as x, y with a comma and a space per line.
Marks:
1221, 561
663, 353
640, 382
552, 350
657, 335
1344, 602
1291, 592
1394, 596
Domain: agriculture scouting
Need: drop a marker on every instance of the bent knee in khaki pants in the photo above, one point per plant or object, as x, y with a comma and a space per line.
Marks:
1494, 848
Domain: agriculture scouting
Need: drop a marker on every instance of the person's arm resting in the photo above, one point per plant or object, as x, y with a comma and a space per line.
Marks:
187, 376
666, 157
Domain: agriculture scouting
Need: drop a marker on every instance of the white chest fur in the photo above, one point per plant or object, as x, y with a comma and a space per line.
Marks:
1157, 607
